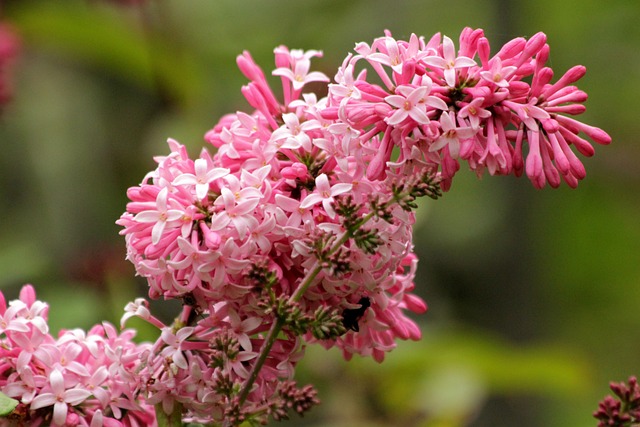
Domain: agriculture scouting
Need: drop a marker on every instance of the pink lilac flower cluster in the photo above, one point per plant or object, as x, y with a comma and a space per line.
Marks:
77, 379
622, 409
9, 48
442, 106
196, 229
299, 228
273, 217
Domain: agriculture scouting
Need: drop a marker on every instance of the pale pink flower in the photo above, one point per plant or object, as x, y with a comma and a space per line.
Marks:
140, 308
9, 321
391, 55
345, 87
160, 216
63, 357
409, 103
293, 134
449, 62
26, 387
529, 113
300, 75
498, 74
325, 193
297, 215
192, 255
451, 135
262, 234
202, 178
174, 345
238, 210
474, 112
228, 260
344, 132
59, 397
257, 178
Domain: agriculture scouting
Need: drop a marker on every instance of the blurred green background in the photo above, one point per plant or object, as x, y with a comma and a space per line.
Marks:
533, 295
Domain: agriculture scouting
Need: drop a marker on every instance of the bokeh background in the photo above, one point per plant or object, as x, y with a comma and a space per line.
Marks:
533, 295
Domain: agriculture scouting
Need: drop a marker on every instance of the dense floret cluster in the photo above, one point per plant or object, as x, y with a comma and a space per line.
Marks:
299, 228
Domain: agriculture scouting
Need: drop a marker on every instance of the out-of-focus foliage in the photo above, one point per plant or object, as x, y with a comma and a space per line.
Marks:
443, 380
533, 295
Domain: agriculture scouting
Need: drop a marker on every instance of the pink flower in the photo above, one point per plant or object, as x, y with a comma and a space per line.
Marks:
202, 178
26, 387
391, 55
10, 321
498, 74
293, 134
474, 112
449, 62
410, 103
228, 261
297, 215
452, 135
139, 308
529, 113
345, 87
325, 193
160, 216
344, 132
299, 75
238, 210
239, 235
60, 397
174, 342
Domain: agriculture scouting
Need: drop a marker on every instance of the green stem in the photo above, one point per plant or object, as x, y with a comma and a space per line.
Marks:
276, 327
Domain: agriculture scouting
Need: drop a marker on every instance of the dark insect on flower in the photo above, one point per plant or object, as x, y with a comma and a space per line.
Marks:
189, 299
351, 316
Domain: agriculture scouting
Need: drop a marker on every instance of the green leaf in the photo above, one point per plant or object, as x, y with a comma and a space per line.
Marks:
7, 405
144, 55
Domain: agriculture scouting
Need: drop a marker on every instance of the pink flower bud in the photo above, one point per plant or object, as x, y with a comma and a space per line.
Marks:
484, 50
28, 295
512, 48
540, 79
211, 238
534, 44
296, 170
415, 303
248, 67
572, 75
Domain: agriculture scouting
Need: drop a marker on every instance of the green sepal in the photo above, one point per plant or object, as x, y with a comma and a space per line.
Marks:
169, 420
7, 405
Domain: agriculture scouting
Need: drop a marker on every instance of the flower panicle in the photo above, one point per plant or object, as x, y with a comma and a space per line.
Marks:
299, 229
90, 375
323, 323
297, 399
224, 347
366, 239
331, 257
405, 193
623, 410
